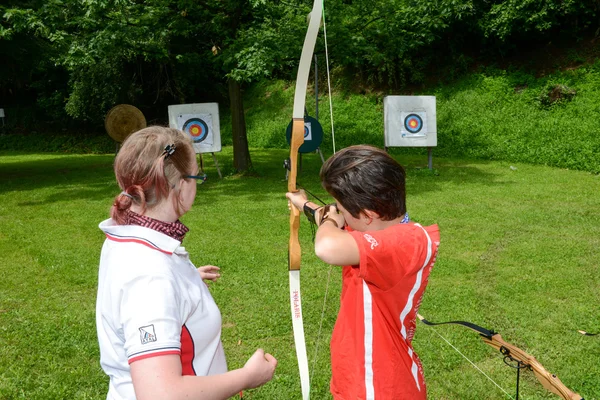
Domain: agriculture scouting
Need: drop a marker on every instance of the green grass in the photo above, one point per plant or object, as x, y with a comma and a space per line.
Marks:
519, 255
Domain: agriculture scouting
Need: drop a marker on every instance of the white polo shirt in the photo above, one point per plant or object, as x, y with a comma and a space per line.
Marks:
152, 302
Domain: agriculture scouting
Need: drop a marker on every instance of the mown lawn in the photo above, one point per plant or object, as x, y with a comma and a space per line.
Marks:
519, 255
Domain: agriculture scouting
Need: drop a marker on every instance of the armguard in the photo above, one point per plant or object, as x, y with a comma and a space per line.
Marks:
310, 213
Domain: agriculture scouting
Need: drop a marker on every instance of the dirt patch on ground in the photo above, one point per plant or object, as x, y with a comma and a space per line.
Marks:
552, 56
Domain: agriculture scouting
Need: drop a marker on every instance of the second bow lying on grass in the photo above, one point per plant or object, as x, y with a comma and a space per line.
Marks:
521, 358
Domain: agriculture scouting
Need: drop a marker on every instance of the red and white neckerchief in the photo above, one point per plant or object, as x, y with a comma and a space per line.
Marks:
176, 230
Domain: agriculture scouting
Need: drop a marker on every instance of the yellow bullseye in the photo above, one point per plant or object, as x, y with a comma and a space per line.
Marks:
195, 131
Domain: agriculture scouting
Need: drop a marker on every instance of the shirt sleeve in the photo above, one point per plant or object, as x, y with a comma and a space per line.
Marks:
150, 317
387, 256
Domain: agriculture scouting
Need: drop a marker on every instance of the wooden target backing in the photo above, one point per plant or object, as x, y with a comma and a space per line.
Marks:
122, 120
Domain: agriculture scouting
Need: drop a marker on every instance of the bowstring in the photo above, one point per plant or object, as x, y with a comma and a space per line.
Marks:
312, 194
314, 362
328, 77
472, 363
324, 307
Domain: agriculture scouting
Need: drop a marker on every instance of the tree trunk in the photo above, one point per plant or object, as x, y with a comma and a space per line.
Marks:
241, 153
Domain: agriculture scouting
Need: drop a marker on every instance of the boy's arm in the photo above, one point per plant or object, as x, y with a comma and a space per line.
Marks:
333, 244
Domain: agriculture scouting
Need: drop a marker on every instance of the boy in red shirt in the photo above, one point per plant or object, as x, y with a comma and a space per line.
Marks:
386, 263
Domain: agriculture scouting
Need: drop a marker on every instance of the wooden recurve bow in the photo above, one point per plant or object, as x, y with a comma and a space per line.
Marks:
297, 139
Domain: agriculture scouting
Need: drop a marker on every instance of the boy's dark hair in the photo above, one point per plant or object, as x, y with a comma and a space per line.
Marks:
366, 178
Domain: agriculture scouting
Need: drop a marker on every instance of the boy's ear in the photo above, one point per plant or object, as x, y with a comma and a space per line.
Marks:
370, 215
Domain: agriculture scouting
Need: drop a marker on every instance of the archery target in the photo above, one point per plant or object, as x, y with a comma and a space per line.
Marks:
197, 126
197, 129
313, 134
413, 123
307, 131
410, 121
200, 122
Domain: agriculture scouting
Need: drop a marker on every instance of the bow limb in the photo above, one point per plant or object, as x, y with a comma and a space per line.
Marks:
297, 139
547, 379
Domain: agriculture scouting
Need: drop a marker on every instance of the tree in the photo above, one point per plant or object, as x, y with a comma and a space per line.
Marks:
155, 52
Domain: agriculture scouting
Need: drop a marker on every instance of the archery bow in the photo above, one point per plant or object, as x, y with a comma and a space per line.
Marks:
296, 141
513, 353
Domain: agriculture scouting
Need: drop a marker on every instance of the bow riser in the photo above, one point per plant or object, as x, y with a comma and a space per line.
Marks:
297, 140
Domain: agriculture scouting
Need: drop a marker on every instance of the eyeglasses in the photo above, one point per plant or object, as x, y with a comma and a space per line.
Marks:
200, 178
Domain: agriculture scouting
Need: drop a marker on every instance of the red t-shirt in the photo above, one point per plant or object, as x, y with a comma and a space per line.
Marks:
371, 350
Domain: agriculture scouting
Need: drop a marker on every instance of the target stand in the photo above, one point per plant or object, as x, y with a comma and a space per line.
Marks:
200, 122
410, 121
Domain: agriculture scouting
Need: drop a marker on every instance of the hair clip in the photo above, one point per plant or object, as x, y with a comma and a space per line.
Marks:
169, 150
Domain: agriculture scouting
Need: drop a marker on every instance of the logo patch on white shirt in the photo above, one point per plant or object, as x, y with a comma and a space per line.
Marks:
371, 240
147, 334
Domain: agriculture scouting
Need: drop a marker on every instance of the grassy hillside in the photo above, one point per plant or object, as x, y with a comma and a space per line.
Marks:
490, 115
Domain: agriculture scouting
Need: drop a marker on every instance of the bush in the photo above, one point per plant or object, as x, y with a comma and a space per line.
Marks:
556, 94
74, 143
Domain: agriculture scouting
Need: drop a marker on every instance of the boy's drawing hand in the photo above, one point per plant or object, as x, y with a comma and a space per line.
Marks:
331, 211
209, 272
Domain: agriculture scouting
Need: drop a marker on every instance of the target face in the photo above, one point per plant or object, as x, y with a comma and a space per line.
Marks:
196, 128
413, 123
200, 122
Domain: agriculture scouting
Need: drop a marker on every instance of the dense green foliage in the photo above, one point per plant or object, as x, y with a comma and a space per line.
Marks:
507, 261
71, 60
150, 54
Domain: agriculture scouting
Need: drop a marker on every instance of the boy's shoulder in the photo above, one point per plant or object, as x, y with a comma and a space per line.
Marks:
407, 235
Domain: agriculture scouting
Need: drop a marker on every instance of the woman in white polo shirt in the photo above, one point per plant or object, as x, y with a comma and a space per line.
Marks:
158, 326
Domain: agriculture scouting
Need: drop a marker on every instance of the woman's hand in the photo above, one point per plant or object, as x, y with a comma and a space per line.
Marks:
260, 368
209, 272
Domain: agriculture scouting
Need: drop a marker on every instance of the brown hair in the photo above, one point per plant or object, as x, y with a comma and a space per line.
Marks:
366, 178
143, 172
